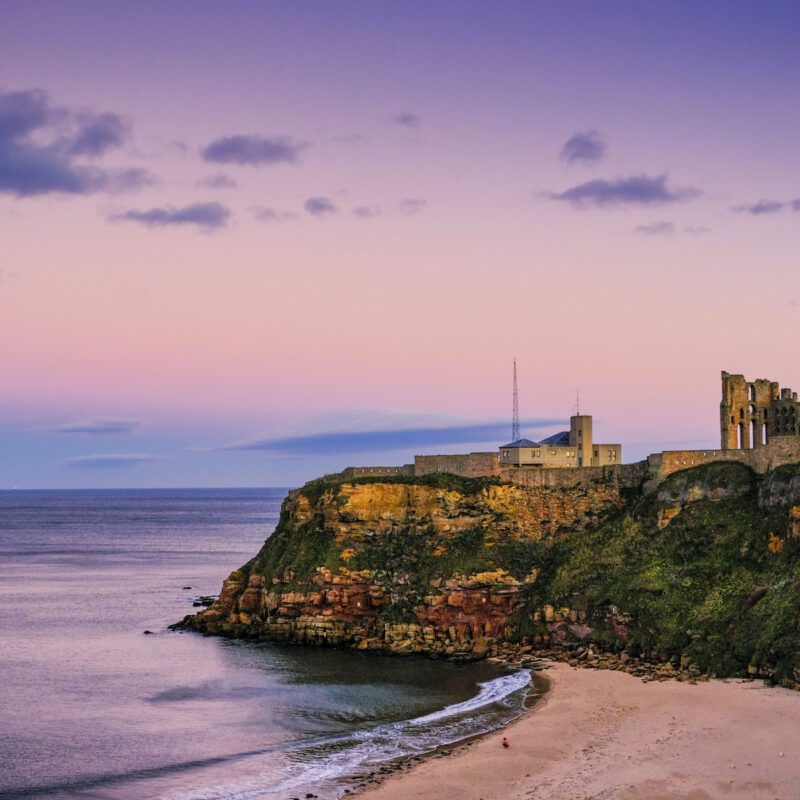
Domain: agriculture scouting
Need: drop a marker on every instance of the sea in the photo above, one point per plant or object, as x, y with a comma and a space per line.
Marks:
92, 707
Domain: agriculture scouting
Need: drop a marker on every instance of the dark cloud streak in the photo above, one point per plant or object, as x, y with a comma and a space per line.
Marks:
384, 440
111, 460
320, 207
207, 216
97, 426
254, 150
586, 147
655, 229
641, 190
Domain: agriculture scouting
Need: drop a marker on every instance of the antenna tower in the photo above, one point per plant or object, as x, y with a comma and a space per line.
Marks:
515, 409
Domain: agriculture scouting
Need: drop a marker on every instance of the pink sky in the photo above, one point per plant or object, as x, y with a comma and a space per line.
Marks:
260, 324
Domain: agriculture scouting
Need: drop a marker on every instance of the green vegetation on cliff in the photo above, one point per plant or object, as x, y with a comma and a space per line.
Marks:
704, 571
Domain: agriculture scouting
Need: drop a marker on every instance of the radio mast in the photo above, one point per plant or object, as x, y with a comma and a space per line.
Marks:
515, 409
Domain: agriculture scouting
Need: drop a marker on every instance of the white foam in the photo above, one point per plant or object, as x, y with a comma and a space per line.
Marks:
493, 691
365, 750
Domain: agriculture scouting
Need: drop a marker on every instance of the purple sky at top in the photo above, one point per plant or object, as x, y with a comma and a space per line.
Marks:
237, 239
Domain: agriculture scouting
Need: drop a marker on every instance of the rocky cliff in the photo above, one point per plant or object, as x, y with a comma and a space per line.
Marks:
704, 572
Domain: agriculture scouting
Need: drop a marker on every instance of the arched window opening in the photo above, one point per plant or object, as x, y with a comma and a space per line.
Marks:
752, 433
763, 433
739, 435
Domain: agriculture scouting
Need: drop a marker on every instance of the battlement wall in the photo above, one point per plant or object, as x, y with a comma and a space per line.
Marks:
621, 475
368, 472
648, 473
779, 450
468, 465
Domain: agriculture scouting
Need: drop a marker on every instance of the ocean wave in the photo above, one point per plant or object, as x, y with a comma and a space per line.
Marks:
326, 767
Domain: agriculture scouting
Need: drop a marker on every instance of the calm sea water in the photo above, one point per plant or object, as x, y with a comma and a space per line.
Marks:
90, 707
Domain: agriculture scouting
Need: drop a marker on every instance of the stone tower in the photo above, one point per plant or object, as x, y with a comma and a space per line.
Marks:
753, 412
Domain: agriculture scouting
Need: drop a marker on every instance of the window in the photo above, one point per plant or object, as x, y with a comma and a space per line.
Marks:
538, 453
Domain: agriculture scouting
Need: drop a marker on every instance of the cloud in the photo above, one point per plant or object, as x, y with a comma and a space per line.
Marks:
693, 230
97, 135
641, 190
264, 214
412, 205
218, 181
267, 214
367, 212
406, 120
655, 229
585, 147
380, 440
349, 139
254, 150
762, 207
42, 147
100, 426
207, 216
320, 206
796, 204
111, 460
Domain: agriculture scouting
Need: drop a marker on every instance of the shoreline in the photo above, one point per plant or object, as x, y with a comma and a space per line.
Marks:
606, 734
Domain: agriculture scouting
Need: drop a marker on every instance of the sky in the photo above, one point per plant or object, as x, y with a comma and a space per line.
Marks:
246, 244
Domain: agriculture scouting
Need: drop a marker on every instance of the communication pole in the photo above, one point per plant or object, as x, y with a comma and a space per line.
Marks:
515, 409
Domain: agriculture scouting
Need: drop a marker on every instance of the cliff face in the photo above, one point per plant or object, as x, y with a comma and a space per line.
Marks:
704, 572
436, 564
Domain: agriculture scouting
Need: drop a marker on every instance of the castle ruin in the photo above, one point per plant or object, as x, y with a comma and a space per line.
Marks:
759, 426
753, 413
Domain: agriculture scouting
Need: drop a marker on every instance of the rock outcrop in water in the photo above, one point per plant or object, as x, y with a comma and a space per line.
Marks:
703, 572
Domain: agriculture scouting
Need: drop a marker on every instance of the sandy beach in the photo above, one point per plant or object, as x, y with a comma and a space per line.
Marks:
603, 734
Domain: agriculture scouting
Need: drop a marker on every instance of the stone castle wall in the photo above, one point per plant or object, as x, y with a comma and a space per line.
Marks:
780, 450
469, 465
650, 472
619, 475
368, 472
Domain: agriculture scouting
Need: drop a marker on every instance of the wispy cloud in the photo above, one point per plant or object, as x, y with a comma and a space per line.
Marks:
320, 206
586, 147
254, 150
763, 207
99, 426
218, 181
367, 212
637, 190
349, 139
111, 460
43, 147
379, 440
206, 216
406, 120
412, 205
655, 229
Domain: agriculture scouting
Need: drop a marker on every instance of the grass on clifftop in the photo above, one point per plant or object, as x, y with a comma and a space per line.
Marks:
719, 584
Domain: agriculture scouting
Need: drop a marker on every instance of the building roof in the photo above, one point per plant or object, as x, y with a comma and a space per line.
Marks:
557, 438
521, 443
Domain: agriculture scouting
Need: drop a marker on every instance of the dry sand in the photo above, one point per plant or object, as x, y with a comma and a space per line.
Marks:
602, 734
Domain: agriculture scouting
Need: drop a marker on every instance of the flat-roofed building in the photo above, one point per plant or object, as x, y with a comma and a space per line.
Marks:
572, 448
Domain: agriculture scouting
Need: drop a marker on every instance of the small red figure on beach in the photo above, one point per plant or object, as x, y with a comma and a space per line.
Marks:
506, 742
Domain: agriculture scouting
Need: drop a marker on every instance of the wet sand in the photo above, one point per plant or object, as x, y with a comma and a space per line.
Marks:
606, 735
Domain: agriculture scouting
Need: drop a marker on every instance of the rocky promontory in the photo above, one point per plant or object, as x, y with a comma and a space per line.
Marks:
701, 575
